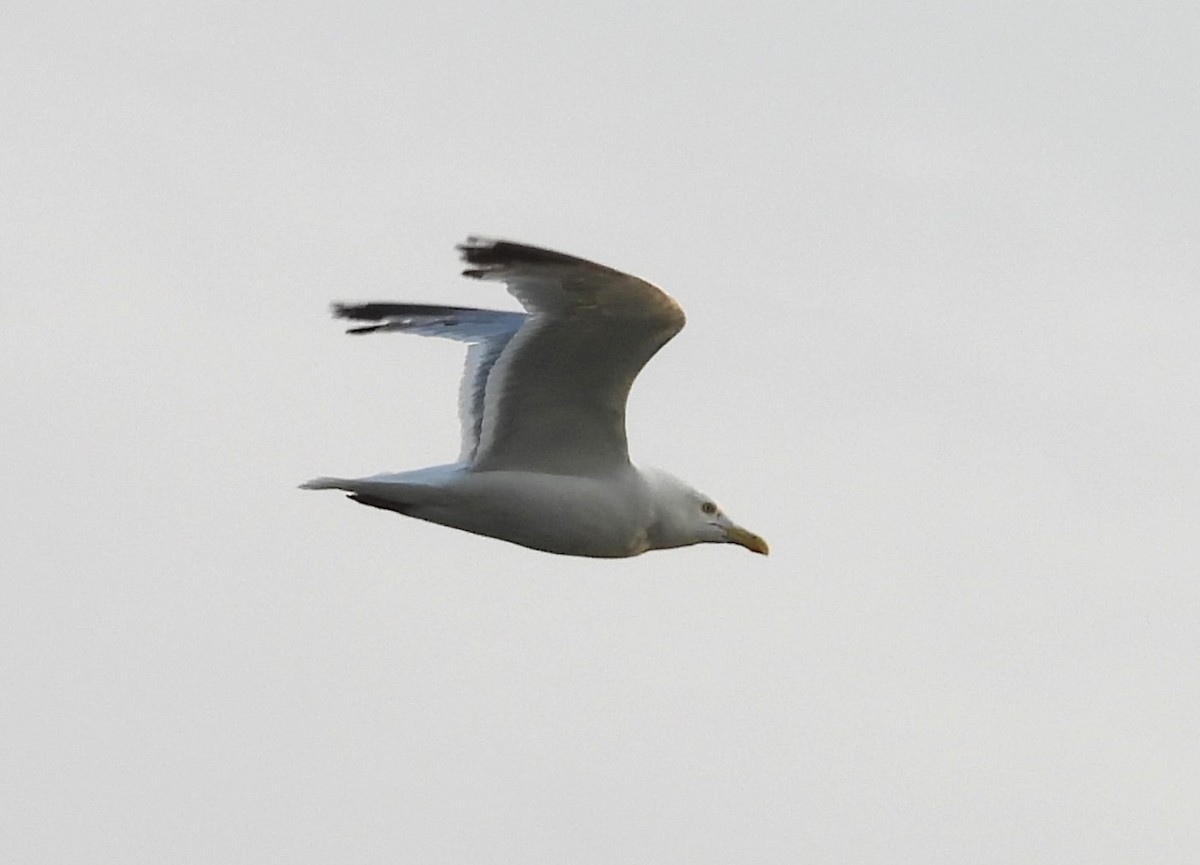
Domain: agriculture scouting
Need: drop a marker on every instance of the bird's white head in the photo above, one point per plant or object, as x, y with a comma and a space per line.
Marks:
684, 516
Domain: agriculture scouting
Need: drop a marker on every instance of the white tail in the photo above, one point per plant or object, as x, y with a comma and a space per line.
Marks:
329, 484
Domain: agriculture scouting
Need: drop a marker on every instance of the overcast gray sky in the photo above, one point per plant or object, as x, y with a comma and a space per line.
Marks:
941, 269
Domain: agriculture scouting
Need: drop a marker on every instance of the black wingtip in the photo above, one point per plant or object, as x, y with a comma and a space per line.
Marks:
487, 255
359, 312
380, 310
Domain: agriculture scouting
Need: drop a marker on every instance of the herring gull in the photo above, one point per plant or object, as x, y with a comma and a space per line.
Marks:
544, 460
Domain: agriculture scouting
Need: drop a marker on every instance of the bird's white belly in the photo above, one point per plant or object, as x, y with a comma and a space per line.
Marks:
555, 513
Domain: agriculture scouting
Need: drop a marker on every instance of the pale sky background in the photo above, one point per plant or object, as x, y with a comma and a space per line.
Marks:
941, 267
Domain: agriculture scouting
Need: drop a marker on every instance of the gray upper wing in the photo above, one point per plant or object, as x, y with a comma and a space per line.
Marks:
555, 395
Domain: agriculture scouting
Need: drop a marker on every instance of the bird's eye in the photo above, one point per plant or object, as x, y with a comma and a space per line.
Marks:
708, 508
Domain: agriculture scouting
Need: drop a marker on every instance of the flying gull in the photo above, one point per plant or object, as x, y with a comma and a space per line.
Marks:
544, 460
